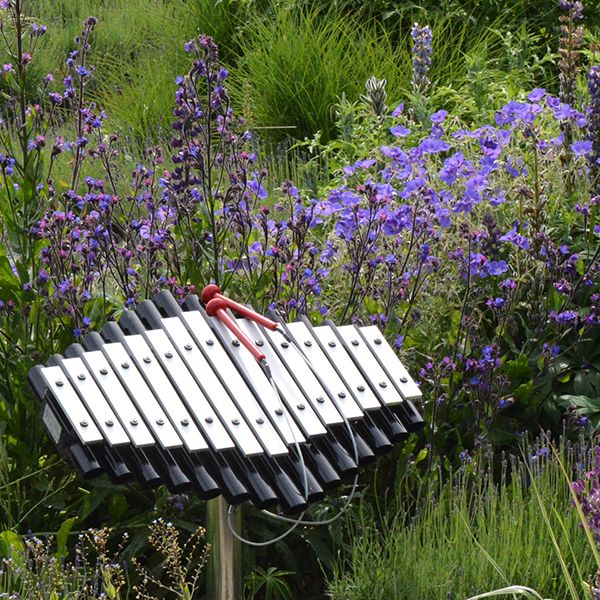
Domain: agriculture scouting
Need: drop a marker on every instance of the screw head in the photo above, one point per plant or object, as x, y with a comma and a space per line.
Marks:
259, 343
235, 421
284, 344
341, 394
103, 371
109, 422
360, 388
279, 412
320, 400
378, 341
382, 384
307, 343
81, 377
301, 406
125, 365
403, 378
185, 422
160, 421
133, 422
236, 343
188, 347
59, 383
147, 360
208, 419
83, 423
354, 342
332, 344
210, 342
168, 354
260, 420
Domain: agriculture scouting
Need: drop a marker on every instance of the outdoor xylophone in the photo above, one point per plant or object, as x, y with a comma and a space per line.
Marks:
251, 407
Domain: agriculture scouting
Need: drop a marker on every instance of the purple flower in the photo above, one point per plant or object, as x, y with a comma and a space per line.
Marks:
563, 317
256, 188
496, 267
398, 110
518, 240
439, 116
432, 145
454, 167
495, 302
400, 131
536, 95
581, 147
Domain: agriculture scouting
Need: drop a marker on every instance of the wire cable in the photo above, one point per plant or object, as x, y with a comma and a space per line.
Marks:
354, 448
295, 522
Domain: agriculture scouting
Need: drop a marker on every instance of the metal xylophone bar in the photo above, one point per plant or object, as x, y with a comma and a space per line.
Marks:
171, 395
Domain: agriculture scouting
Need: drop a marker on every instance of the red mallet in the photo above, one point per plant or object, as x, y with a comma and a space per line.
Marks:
213, 291
217, 308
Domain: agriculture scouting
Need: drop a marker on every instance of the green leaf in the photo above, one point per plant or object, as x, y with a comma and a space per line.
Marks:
9, 542
583, 384
589, 405
118, 507
517, 369
421, 456
523, 392
552, 408
62, 536
8, 280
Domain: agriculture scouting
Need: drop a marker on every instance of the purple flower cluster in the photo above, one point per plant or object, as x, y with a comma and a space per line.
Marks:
421, 53
215, 186
593, 117
587, 491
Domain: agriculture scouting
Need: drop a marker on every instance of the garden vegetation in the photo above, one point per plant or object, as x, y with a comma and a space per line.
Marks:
434, 170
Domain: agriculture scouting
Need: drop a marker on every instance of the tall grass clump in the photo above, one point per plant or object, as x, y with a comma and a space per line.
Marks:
470, 535
294, 66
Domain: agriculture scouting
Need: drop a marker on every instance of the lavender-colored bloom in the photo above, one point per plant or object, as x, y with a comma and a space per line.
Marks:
515, 112
582, 147
495, 302
399, 131
536, 95
454, 167
432, 145
398, 110
497, 267
518, 240
257, 189
563, 317
439, 116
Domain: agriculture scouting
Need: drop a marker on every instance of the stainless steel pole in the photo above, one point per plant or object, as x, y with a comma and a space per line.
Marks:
224, 576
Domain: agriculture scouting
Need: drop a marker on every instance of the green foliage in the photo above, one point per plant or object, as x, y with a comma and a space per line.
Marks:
269, 584
137, 51
31, 568
470, 536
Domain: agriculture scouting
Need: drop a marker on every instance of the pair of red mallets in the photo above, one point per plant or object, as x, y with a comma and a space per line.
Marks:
216, 305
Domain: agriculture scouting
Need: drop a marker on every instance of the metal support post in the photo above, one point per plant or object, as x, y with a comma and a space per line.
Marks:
224, 575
